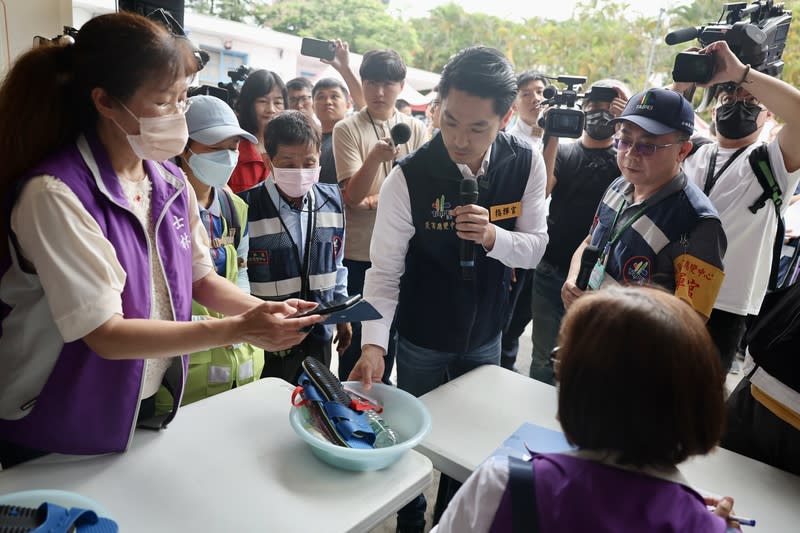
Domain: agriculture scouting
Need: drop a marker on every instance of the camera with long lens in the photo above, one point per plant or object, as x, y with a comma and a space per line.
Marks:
758, 41
563, 119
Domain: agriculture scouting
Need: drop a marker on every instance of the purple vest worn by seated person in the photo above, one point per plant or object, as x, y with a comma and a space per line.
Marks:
582, 496
89, 404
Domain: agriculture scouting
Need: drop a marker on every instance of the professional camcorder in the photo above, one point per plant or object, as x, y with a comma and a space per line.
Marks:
758, 42
563, 119
227, 92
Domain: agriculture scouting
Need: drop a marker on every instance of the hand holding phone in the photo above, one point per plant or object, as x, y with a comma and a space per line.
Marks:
318, 48
332, 307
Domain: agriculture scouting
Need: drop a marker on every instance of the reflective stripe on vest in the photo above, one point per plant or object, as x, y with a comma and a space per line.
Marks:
273, 226
287, 287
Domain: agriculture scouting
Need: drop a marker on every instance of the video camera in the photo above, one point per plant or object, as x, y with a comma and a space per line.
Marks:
758, 42
227, 92
563, 119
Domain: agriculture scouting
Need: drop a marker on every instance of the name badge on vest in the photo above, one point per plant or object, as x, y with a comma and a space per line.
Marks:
504, 211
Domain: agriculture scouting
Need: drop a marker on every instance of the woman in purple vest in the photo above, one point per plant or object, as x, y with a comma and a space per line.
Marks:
102, 248
640, 391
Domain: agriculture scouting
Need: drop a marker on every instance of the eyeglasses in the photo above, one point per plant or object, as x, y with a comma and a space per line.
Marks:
730, 98
642, 149
180, 106
295, 100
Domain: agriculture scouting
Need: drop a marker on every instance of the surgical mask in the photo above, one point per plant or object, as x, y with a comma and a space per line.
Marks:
159, 138
295, 182
597, 124
737, 120
214, 168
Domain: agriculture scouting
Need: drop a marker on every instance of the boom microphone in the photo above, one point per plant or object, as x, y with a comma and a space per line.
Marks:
682, 35
468, 195
400, 133
588, 261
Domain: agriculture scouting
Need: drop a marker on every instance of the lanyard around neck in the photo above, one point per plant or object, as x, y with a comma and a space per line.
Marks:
385, 164
614, 237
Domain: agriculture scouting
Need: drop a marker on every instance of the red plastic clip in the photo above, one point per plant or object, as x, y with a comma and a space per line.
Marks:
298, 391
363, 405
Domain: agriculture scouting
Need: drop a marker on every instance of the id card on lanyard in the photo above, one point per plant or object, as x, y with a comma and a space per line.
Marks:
598, 274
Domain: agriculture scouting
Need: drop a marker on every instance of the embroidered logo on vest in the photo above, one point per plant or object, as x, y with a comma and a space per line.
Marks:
337, 246
258, 257
637, 269
441, 208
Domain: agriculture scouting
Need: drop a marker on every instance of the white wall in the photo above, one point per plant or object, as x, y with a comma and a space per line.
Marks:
25, 19
265, 48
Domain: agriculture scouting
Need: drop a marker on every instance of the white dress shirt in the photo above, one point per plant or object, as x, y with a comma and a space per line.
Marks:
394, 228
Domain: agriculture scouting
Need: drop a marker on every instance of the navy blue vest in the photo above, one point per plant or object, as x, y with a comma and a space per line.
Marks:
437, 309
274, 265
633, 257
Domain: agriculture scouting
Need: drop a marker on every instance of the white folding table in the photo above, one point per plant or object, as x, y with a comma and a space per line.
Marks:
228, 463
474, 414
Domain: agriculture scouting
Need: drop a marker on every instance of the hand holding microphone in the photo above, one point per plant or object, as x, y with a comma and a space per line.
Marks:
588, 261
468, 195
400, 133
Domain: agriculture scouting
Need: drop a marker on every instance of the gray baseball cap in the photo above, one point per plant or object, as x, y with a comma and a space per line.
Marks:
210, 121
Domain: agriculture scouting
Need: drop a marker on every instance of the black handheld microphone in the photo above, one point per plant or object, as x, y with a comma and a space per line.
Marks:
588, 261
468, 195
682, 35
400, 133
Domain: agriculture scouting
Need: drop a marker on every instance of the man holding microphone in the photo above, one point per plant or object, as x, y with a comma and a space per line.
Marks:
450, 304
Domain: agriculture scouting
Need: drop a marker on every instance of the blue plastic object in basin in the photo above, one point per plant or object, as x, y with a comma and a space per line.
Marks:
403, 412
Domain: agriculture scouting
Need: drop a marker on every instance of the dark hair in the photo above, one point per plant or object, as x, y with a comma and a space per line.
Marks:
382, 65
329, 83
298, 84
48, 89
400, 103
291, 128
528, 76
259, 83
483, 72
640, 376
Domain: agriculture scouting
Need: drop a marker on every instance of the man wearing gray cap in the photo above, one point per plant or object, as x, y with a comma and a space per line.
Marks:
653, 225
208, 161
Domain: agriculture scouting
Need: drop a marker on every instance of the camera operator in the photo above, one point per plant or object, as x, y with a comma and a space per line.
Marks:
745, 101
577, 175
759, 425
653, 225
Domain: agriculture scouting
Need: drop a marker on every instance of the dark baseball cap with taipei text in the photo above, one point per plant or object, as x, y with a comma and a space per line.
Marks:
659, 111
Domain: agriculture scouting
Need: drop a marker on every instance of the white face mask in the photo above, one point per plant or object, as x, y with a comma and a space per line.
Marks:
295, 182
159, 138
214, 168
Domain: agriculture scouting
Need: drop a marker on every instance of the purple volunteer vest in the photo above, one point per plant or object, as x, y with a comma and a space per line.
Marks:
89, 404
579, 495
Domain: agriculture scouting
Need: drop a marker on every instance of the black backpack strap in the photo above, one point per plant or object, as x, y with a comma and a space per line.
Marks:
522, 484
698, 141
231, 217
711, 176
759, 162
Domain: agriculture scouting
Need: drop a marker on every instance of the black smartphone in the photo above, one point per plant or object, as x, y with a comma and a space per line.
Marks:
317, 48
333, 307
602, 94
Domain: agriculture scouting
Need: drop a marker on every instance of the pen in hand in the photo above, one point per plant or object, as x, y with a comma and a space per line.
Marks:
743, 521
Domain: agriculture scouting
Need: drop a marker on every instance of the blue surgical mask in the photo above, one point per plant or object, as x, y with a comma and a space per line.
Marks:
214, 168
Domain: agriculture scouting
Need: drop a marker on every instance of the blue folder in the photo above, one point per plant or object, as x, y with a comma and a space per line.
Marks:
539, 439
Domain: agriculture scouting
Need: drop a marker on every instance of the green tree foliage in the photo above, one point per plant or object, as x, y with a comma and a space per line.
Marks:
238, 10
364, 24
601, 39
